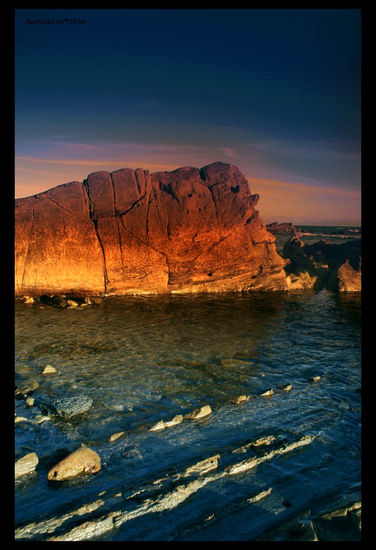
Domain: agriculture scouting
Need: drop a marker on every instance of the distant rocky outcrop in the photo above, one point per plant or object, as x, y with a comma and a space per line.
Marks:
131, 232
323, 264
285, 228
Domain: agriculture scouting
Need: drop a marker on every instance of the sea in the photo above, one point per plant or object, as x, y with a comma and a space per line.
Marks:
280, 466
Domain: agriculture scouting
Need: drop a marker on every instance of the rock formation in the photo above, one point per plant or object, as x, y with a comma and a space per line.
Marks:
323, 264
284, 228
131, 232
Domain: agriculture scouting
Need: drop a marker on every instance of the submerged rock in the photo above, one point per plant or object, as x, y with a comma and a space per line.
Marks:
82, 461
26, 464
65, 407
24, 388
204, 466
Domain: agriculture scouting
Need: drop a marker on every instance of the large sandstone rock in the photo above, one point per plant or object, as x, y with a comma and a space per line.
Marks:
81, 461
189, 230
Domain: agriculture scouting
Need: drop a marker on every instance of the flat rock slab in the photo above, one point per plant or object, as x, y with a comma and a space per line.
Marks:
66, 407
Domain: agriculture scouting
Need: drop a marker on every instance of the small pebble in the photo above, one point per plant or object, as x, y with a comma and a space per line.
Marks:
288, 387
49, 369
30, 401
241, 399
41, 418
20, 419
315, 378
267, 393
199, 413
115, 436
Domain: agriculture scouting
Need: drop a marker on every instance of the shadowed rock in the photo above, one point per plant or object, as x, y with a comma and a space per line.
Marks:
65, 407
323, 265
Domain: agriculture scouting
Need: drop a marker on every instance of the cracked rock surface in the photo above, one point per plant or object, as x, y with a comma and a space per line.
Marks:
131, 232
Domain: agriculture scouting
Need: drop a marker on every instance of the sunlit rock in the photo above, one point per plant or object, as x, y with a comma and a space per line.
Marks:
176, 420
26, 464
82, 461
115, 436
240, 399
131, 232
49, 369
204, 466
199, 413
158, 426
267, 393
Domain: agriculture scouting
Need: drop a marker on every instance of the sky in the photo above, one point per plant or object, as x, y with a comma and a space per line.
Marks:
275, 92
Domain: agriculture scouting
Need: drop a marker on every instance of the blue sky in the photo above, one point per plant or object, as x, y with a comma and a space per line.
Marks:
276, 92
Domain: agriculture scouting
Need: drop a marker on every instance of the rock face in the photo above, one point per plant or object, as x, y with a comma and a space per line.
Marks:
131, 232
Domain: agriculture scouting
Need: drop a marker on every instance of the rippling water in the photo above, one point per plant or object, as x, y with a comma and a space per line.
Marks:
146, 359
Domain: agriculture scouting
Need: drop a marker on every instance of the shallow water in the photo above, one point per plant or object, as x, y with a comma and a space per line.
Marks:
145, 359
